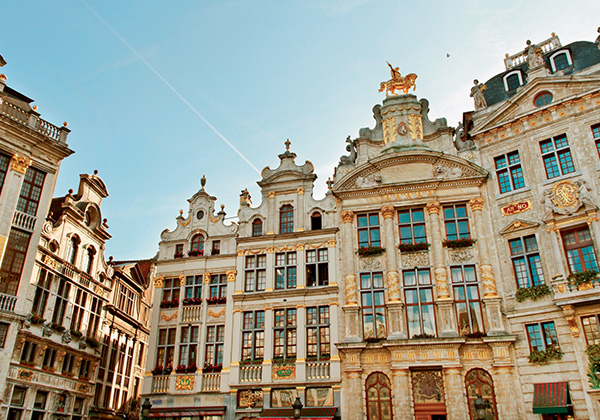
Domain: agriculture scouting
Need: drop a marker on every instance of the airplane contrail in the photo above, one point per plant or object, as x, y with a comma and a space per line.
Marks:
170, 86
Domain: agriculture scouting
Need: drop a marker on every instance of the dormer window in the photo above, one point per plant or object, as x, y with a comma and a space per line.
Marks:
560, 60
513, 80
316, 222
197, 245
257, 227
286, 219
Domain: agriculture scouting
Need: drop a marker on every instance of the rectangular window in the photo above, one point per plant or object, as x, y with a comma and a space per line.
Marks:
556, 155
178, 251
3, 333
412, 226
31, 191
595, 133
286, 219
28, 352
215, 337
77, 409
373, 305
15, 412
466, 299
170, 290
368, 230
216, 248
166, 347
418, 295
509, 172
78, 309
68, 362
39, 405
284, 345
590, 328
456, 222
84, 369
526, 261
253, 336
42, 291
285, 270
49, 358
255, 273
317, 269
580, 250
13, 260
193, 287
4, 161
127, 301
317, 332
188, 345
62, 299
218, 285
94, 321
541, 336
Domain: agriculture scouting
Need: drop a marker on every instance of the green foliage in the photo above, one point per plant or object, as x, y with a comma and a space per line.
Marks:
458, 243
421, 246
533, 292
593, 353
544, 356
582, 277
368, 251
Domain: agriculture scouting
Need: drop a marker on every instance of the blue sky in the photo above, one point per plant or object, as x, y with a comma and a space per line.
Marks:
258, 71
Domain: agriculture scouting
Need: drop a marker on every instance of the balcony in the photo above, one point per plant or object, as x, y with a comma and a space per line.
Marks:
24, 221
7, 302
33, 121
251, 373
317, 370
160, 383
192, 313
211, 381
568, 293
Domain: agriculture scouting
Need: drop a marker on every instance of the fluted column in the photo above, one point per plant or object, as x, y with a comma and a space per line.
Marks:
491, 300
351, 308
236, 347
274, 213
301, 343
299, 213
268, 350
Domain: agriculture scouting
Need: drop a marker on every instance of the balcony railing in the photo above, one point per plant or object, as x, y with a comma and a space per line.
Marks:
24, 221
211, 381
7, 302
192, 313
519, 58
251, 373
317, 370
565, 292
32, 120
160, 383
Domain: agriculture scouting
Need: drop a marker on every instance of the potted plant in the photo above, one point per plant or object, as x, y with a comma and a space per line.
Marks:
216, 300
92, 342
192, 301
191, 368
419, 246
181, 369
196, 252
166, 304
179, 254
458, 243
422, 336
37, 319
368, 251
167, 370
76, 334
57, 327
582, 277
532, 292
158, 370
541, 357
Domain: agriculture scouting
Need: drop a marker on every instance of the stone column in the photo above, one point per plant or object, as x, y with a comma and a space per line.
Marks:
300, 263
446, 321
454, 388
236, 347
273, 213
270, 280
299, 212
335, 362
491, 300
397, 327
506, 394
401, 390
351, 308
268, 351
301, 343
353, 398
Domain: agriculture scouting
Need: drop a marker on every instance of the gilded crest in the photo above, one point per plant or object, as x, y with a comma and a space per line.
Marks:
564, 194
184, 383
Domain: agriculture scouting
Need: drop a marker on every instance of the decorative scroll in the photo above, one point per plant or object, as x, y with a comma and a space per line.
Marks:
284, 372
428, 386
415, 259
168, 318
461, 256
216, 314
158, 282
250, 398
231, 275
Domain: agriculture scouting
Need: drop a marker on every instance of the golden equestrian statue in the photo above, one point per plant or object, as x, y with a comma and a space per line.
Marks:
397, 82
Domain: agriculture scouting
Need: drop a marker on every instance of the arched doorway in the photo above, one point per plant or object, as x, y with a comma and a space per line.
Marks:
379, 397
479, 382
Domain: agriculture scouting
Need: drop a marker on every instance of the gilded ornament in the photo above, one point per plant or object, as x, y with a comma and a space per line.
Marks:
212, 219
389, 130
300, 191
272, 194
284, 372
347, 216
388, 212
402, 130
184, 383
433, 207
476, 203
168, 318
26, 375
415, 126
351, 291
393, 280
270, 250
240, 253
185, 223
331, 243
181, 280
20, 163
216, 314
441, 283
397, 82
251, 398
231, 275
487, 281
158, 282
206, 278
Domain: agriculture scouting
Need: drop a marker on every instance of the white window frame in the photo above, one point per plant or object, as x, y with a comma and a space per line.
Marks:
557, 53
507, 75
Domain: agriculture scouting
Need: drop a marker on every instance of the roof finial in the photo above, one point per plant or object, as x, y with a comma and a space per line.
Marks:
287, 145
203, 181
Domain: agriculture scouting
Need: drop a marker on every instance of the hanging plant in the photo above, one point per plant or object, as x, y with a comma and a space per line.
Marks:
533, 292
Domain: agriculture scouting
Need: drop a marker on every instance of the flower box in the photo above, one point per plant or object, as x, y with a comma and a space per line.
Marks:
92, 342
191, 368
76, 334
191, 301
544, 356
37, 319
321, 358
208, 368
248, 362
420, 246
281, 361
215, 300
458, 243
368, 251
423, 336
178, 255
158, 370
373, 339
533, 292
57, 327
181, 369
582, 277
475, 334
196, 252
166, 304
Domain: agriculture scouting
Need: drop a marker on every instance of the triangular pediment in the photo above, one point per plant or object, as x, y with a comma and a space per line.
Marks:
518, 225
562, 88
411, 169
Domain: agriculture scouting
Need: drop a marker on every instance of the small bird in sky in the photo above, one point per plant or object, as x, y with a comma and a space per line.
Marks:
447, 55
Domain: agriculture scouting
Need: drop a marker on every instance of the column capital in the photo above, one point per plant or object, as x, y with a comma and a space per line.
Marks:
347, 216
388, 212
20, 163
476, 203
433, 207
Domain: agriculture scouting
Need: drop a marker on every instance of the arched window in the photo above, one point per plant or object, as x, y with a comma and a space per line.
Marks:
71, 253
316, 222
197, 245
561, 61
90, 259
286, 219
512, 80
479, 383
379, 397
257, 226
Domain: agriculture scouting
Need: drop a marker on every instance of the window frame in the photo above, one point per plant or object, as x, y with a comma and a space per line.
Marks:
317, 268
369, 234
530, 271
193, 286
218, 286
456, 221
596, 136
318, 344
372, 300
189, 339
285, 333
579, 246
257, 227
422, 289
509, 172
508, 75
555, 55
545, 335
171, 289
558, 160
255, 275
165, 348
410, 224
472, 304
253, 336
286, 218
31, 191
591, 330
214, 349
286, 270
42, 292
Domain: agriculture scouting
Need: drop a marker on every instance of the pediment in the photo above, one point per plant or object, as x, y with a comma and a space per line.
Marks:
518, 225
563, 88
411, 168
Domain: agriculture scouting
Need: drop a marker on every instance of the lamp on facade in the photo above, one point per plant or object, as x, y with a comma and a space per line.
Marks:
297, 407
481, 407
146, 406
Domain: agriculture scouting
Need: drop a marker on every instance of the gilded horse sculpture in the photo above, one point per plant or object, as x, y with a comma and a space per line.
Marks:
397, 82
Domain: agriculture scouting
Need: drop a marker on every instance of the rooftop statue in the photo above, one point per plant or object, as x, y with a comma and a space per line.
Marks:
598, 40
397, 82
477, 94
534, 55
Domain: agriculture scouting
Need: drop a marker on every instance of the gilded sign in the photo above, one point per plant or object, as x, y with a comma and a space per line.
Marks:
515, 208
284, 372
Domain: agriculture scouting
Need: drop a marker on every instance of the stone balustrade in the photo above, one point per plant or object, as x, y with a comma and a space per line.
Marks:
7, 302
160, 383
251, 373
317, 370
211, 381
192, 313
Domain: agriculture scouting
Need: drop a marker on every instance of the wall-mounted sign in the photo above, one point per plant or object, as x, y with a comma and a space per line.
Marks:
515, 208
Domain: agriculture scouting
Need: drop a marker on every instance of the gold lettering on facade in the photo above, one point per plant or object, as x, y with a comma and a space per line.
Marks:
515, 208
